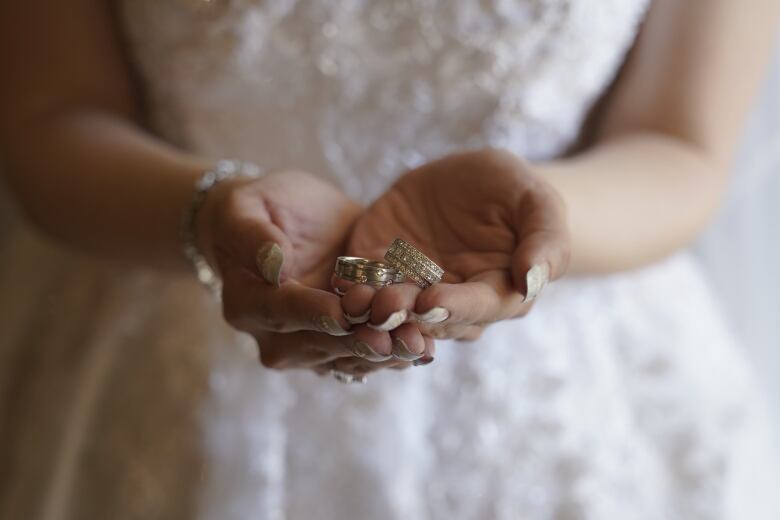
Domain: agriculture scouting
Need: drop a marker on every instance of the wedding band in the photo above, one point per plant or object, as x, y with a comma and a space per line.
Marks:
365, 271
413, 264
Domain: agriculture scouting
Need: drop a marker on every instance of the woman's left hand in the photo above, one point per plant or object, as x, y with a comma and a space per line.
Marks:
496, 227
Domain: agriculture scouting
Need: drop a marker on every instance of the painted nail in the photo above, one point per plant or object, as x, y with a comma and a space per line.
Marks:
402, 352
535, 280
363, 350
355, 320
269, 261
392, 321
435, 315
422, 361
330, 326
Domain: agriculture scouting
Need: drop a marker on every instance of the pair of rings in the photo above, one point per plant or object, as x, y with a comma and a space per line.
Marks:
402, 261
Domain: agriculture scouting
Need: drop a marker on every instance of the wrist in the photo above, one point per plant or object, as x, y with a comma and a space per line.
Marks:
213, 186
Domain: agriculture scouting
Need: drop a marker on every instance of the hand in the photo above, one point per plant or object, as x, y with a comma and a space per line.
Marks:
274, 241
498, 230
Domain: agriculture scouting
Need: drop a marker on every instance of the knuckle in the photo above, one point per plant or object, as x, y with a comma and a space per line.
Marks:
430, 297
238, 316
269, 320
473, 334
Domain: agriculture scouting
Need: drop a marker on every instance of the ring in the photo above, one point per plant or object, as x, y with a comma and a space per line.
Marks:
347, 378
365, 271
414, 264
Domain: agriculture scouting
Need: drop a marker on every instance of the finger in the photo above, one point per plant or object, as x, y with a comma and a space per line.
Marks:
340, 286
484, 299
356, 303
393, 305
454, 331
543, 250
470, 333
430, 351
408, 343
372, 345
258, 245
253, 306
361, 367
300, 349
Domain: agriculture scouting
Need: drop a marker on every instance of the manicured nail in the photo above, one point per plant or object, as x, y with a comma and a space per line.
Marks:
422, 361
363, 350
269, 261
355, 320
402, 352
392, 321
435, 315
535, 280
330, 326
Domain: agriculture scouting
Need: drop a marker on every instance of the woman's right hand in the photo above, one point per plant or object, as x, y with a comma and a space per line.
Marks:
274, 241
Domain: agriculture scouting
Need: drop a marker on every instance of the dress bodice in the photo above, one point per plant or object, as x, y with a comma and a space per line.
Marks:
359, 90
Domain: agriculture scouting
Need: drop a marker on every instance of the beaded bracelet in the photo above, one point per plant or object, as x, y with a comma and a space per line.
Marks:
223, 170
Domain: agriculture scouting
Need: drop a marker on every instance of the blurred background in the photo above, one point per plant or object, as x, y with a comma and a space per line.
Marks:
741, 250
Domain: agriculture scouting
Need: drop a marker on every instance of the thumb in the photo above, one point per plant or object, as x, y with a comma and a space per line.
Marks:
270, 261
543, 245
260, 246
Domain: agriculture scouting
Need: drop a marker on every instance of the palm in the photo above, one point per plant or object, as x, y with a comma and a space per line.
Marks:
467, 212
315, 218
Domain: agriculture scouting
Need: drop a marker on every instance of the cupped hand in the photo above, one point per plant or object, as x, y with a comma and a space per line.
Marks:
273, 241
496, 227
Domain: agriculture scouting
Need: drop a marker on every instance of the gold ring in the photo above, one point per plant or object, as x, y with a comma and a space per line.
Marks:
414, 264
365, 271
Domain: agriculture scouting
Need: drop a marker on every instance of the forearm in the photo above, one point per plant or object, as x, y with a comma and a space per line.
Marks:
634, 199
96, 181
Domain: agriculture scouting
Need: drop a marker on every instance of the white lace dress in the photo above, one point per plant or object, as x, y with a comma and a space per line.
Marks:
618, 397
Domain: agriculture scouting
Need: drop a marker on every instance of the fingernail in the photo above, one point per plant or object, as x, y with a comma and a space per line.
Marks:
402, 352
535, 280
392, 322
363, 350
435, 315
330, 326
355, 320
269, 261
422, 361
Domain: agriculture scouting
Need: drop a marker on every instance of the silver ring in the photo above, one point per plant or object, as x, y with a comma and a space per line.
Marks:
347, 378
365, 271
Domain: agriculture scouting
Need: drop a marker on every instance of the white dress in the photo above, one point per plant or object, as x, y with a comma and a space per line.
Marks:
619, 397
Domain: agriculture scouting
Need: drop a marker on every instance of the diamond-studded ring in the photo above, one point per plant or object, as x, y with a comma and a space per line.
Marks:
413, 264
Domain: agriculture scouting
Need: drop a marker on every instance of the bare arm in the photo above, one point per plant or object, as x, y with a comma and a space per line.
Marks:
658, 169
87, 173
70, 138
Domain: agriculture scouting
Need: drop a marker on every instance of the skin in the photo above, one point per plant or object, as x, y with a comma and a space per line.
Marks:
80, 162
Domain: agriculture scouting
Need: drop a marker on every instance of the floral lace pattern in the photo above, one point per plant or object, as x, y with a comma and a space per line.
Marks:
359, 90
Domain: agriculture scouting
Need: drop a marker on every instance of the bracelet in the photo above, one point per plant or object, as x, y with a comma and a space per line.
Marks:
223, 170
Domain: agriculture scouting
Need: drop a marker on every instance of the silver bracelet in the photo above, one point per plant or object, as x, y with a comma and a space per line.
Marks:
223, 170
